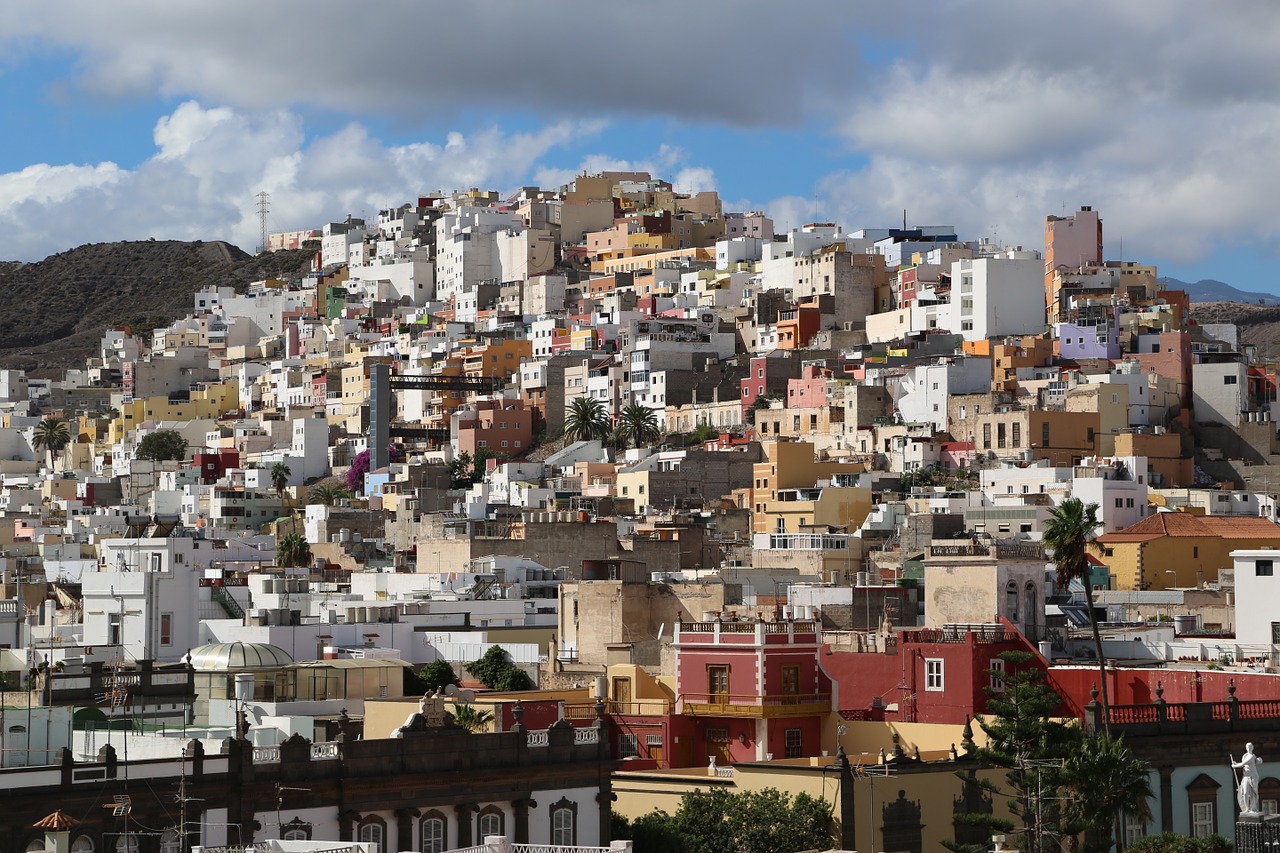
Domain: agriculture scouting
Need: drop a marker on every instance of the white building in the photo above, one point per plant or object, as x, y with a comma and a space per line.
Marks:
1257, 581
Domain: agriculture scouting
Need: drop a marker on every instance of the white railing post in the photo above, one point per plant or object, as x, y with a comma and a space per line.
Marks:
620, 846
497, 844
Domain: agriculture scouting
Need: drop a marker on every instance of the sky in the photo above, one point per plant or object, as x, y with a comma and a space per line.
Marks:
140, 118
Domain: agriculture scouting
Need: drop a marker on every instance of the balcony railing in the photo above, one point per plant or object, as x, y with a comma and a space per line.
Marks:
745, 705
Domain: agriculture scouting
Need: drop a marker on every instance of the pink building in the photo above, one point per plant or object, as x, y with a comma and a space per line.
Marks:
810, 390
751, 689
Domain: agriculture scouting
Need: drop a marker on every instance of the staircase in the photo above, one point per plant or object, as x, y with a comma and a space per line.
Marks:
229, 604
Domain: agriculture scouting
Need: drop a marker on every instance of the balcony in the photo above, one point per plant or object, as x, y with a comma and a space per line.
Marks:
755, 707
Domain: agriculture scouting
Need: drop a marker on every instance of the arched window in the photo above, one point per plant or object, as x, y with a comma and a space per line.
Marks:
564, 823
435, 832
126, 843
82, 844
170, 842
35, 846
489, 822
1032, 620
1011, 601
372, 831
295, 830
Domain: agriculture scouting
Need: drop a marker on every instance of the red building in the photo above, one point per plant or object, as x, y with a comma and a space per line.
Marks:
751, 689
929, 675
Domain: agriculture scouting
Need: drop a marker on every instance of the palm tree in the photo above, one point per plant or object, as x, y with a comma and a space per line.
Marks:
1105, 783
639, 424
1067, 533
279, 480
292, 551
329, 494
470, 717
586, 420
52, 435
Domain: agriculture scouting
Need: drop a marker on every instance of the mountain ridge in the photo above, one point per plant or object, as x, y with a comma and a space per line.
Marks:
53, 312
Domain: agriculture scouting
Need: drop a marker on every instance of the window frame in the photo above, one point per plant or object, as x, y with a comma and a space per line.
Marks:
562, 835
485, 814
934, 675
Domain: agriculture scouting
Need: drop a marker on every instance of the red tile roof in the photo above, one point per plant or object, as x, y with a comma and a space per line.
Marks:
1183, 524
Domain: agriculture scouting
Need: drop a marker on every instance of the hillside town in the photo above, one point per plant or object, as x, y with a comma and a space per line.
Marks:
521, 515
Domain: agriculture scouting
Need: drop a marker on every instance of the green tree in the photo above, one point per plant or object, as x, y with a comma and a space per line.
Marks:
703, 433
639, 425
1105, 782
52, 435
163, 445
586, 420
470, 717
769, 820
495, 670
764, 821
292, 551
437, 675
1169, 842
280, 473
650, 833
703, 821
461, 468
1024, 739
329, 494
1067, 533
760, 402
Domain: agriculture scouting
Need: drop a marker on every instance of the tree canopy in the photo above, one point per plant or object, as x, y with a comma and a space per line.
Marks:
163, 445
720, 821
586, 420
639, 425
52, 435
495, 670
292, 551
1067, 533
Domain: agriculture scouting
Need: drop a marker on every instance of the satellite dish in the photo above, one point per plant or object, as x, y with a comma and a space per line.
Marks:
450, 689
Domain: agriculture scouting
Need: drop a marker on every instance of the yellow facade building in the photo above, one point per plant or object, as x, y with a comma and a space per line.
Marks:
1177, 549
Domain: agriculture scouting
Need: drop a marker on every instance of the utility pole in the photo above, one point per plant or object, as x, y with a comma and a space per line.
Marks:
264, 207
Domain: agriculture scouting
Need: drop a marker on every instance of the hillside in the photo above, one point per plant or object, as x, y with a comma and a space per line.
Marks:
53, 312
1212, 290
1259, 324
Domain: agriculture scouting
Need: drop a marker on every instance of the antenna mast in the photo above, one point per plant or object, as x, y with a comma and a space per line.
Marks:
264, 207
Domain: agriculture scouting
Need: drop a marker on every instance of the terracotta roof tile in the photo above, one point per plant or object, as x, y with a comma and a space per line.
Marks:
1200, 526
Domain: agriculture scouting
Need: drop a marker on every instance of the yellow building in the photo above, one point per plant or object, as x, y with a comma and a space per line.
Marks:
903, 803
1177, 549
207, 403
790, 465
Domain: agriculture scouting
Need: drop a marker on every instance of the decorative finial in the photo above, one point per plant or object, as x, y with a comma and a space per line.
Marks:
1231, 687
1159, 691
1093, 692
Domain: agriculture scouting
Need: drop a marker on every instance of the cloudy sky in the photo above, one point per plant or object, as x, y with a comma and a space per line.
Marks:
132, 119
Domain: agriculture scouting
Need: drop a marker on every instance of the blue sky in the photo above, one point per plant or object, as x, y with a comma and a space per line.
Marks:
136, 119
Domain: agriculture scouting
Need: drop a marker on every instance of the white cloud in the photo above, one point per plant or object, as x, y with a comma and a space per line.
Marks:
210, 162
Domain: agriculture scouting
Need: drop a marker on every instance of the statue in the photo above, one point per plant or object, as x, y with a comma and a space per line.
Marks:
430, 715
1247, 782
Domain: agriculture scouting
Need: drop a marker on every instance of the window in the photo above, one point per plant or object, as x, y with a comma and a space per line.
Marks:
1119, 503
82, 844
1263, 568
717, 735
718, 682
627, 746
295, 830
433, 834
1195, 552
652, 742
1202, 815
1044, 434
170, 842
790, 680
372, 832
933, 674
997, 674
489, 822
1229, 380
564, 823
794, 744
166, 629
126, 843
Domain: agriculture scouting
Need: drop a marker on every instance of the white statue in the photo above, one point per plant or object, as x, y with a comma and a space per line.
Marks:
1247, 790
